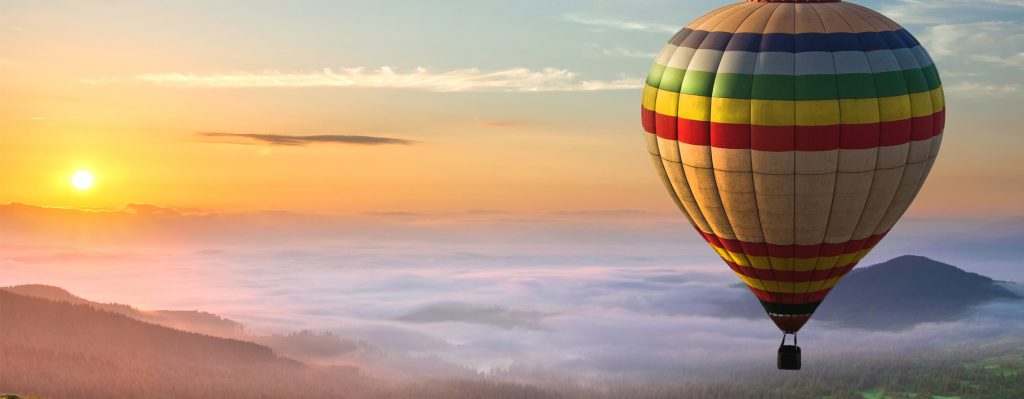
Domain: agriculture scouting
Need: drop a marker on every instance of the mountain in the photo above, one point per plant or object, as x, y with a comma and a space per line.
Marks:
193, 321
57, 350
320, 348
62, 349
907, 291
314, 348
894, 295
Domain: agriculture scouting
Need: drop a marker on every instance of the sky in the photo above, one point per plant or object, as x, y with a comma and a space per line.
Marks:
458, 179
525, 106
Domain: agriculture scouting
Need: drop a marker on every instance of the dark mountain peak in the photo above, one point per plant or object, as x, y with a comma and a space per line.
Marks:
913, 258
185, 320
304, 345
912, 277
910, 266
896, 294
56, 347
908, 290
45, 292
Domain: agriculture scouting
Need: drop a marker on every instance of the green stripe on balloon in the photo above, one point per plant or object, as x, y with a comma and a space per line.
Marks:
802, 87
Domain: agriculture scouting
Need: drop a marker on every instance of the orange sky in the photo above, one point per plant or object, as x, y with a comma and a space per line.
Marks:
474, 164
78, 93
142, 146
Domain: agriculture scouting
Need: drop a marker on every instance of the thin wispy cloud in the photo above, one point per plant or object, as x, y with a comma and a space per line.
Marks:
290, 140
500, 123
1014, 3
975, 89
991, 38
458, 80
1016, 60
618, 24
930, 12
466, 313
954, 28
626, 53
977, 43
982, 58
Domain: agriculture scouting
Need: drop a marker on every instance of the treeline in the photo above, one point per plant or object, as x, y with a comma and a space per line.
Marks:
62, 350
990, 371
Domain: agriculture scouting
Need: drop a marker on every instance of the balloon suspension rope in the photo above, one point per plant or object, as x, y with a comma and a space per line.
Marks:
784, 334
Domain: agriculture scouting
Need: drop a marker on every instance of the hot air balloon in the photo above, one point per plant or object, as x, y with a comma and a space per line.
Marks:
793, 135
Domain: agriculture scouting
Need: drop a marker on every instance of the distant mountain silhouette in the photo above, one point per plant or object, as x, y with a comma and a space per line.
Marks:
314, 348
46, 292
61, 349
894, 295
185, 320
906, 291
307, 346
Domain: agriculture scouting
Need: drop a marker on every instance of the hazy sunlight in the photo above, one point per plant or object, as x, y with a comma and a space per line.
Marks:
82, 180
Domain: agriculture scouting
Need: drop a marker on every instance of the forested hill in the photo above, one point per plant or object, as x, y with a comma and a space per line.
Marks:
906, 291
60, 349
56, 350
893, 295
185, 320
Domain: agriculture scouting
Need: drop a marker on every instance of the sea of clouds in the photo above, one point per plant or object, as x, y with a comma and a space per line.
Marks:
621, 293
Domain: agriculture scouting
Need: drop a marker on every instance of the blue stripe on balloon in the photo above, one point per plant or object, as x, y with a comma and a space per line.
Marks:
794, 43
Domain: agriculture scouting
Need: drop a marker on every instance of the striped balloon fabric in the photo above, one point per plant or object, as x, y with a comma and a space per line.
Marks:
793, 135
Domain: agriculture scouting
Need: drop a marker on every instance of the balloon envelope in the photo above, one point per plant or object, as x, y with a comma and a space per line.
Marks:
793, 136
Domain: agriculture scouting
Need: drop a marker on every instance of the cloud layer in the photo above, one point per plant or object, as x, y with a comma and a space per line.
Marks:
459, 80
611, 23
497, 316
289, 140
978, 44
585, 294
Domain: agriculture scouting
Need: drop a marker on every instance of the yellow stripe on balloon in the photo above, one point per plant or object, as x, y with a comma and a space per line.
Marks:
734, 110
818, 112
650, 95
772, 113
894, 108
752, 282
696, 108
790, 287
729, 256
938, 99
791, 264
797, 113
667, 103
921, 104
866, 110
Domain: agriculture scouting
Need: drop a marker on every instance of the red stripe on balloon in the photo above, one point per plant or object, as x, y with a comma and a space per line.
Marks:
666, 127
794, 138
773, 138
647, 117
792, 251
694, 132
790, 276
790, 299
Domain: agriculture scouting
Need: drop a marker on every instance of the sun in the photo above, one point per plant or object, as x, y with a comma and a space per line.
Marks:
82, 180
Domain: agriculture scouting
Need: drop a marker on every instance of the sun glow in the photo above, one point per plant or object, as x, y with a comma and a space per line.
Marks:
82, 180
